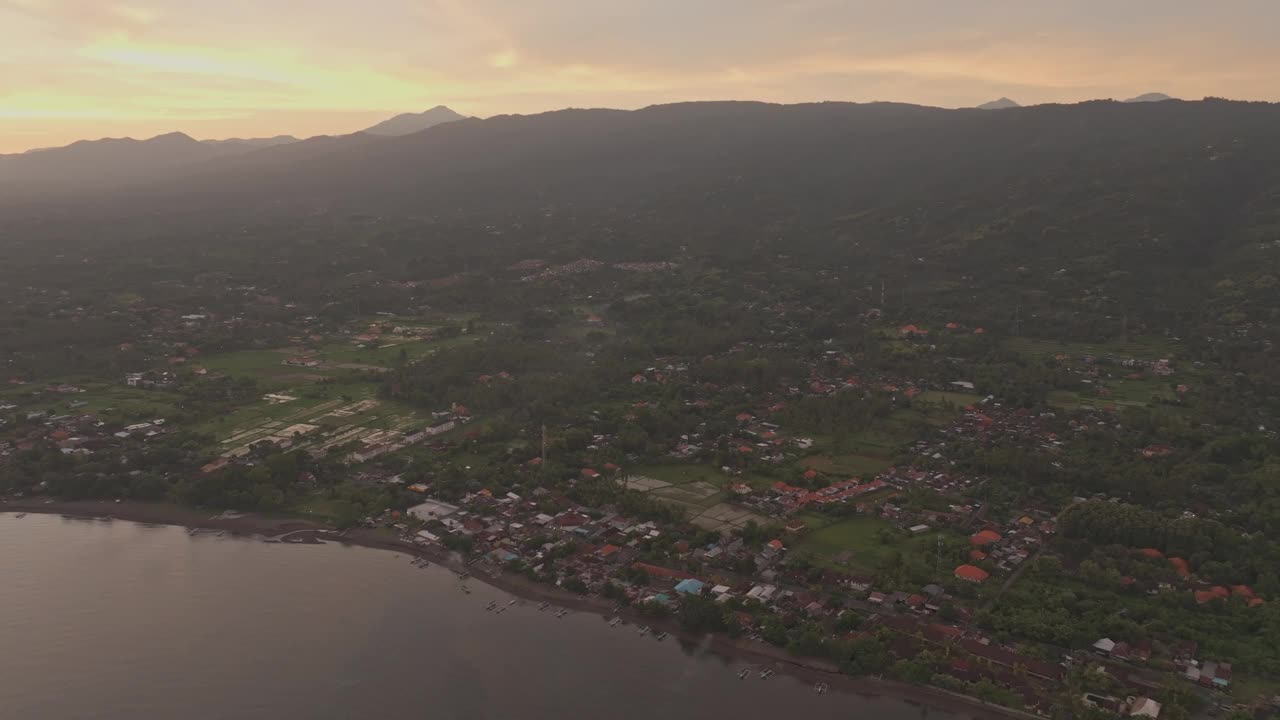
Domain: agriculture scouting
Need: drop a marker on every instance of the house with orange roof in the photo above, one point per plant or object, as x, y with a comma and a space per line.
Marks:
984, 537
970, 573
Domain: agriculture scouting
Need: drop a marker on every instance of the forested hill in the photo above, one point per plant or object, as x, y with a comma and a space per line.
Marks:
1160, 210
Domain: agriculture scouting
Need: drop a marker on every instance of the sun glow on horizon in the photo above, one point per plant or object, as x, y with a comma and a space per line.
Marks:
72, 69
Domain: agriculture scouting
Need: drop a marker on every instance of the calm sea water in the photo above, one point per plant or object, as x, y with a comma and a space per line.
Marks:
122, 621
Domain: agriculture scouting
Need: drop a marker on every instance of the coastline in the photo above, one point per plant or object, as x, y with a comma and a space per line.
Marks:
271, 528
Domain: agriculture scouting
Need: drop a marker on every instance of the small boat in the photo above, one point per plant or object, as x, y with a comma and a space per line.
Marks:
661, 636
424, 564
544, 606
103, 518
466, 589
743, 673
192, 531
644, 630
562, 613
512, 602
766, 674
492, 604
820, 688
221, 533
464, 576
615, 622
20, 515
501, 610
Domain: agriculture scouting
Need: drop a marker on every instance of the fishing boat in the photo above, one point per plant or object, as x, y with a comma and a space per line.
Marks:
512, 602
562, 613
466, 589
544, 606
644, 630
766, 674
820, 688
661, 636
615, 622
743, 673
20, 515
492, 604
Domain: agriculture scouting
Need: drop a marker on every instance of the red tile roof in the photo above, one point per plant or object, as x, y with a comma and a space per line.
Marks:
984, 537
971, 573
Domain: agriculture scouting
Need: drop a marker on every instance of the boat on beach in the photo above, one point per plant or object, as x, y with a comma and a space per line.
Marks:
743, 673
19, 516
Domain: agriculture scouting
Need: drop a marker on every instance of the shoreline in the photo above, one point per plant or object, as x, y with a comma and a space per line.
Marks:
271, 528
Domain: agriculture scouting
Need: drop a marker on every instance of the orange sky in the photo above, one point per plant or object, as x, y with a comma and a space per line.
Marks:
73, 69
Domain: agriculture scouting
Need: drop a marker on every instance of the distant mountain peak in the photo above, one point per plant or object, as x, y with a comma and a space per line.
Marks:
1001, 104
173, 137
1150, 97
408, 123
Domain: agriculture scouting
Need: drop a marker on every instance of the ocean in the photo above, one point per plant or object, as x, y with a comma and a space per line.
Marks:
120, 621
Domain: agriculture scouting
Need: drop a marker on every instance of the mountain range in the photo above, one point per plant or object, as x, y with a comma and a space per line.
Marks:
1145, 204
1005, 103
116, 162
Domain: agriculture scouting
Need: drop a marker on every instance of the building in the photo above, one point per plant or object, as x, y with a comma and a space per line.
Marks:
970, 573
690, 586
1144, 707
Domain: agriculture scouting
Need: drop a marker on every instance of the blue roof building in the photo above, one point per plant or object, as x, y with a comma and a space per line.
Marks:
690, 586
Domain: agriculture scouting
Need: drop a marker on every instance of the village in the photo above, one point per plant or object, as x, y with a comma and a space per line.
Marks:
835, 509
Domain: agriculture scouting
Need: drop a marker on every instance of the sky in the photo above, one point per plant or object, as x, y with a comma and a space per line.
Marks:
86, 69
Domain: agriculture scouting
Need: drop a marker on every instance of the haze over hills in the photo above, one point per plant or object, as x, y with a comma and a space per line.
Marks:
1150, 97
119, 162
1172, 187
1001, 104
407, 123
254, 142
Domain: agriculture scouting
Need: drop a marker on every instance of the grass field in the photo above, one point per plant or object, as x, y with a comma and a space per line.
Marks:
859, 538
848, 464
388, 354
1142, 348
1132, 393
109, 401
681, 474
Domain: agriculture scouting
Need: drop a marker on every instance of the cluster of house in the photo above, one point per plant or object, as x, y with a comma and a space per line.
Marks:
577, 267
152, 380
80, 434
973, 657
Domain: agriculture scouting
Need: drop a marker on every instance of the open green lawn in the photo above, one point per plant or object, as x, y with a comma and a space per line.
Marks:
1133, 393
1142, 348
859, 537
107, 400
848, 464
387, 354
943, 398
680, 474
